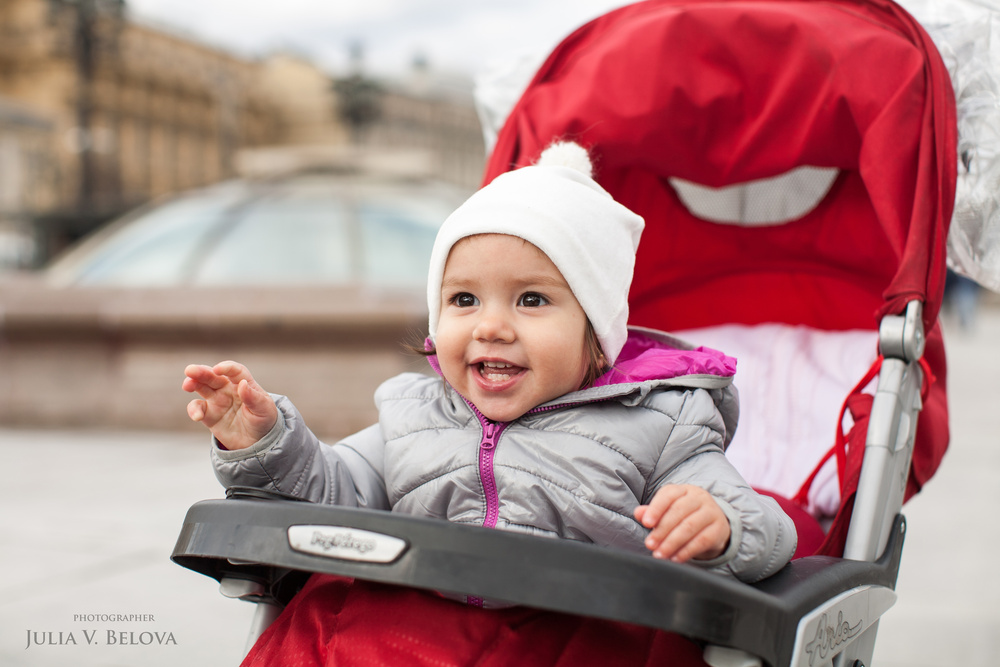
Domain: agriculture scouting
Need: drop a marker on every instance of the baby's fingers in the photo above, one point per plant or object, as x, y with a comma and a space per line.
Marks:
650, 515
197, 409
699, 536
235, 371
709, 543
678, 525
255, 400
208, 412
202, 380
685, 523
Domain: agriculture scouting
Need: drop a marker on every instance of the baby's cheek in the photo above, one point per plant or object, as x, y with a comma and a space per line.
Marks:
452, 370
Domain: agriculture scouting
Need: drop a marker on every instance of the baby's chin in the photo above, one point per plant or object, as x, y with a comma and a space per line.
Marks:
500, 413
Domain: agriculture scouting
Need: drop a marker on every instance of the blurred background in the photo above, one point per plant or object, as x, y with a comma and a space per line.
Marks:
184, 181
212, 156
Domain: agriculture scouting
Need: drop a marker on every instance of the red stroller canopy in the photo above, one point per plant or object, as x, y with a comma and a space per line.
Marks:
722, 93
698, 91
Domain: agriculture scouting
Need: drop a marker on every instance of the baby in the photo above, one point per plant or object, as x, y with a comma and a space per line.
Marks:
547, 414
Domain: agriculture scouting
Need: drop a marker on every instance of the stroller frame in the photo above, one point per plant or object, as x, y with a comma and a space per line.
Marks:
817, 610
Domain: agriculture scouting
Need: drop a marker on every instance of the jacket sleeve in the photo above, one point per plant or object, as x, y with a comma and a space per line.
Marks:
291, 459
763, 537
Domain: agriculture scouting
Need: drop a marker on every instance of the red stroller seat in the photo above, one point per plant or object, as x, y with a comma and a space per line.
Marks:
685, 103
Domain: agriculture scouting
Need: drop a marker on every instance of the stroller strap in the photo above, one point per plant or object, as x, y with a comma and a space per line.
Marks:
839, 448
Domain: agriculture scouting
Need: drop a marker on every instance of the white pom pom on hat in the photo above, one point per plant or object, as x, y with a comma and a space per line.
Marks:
558, 207
567, 154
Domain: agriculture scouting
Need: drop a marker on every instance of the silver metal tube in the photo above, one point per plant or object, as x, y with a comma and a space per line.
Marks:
892, 427
888, 450
262, 618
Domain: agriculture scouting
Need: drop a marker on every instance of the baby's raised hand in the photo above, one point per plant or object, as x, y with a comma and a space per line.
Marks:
233, 406
685, 522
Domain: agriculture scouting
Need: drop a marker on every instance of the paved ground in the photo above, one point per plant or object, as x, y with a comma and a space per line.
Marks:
89, 520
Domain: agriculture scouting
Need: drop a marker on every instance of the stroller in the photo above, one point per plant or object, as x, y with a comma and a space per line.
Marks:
795, 163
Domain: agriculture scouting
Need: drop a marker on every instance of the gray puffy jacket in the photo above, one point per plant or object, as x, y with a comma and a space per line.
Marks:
574, 468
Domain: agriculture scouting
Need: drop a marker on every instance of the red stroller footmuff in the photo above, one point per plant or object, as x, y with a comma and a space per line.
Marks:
354, 623
681, 96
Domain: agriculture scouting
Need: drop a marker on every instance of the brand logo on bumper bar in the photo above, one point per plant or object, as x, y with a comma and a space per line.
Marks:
345, 543
829, 637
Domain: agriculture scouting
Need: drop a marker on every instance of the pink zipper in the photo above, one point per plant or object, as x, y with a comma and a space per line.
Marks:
487, 450
487, 476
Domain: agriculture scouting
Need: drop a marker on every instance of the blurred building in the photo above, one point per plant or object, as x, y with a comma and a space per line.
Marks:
421, 121
123, 111
433, 111
100, 112
306, 99
28, 179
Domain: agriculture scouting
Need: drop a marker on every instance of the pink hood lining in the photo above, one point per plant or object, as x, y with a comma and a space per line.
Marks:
644, 358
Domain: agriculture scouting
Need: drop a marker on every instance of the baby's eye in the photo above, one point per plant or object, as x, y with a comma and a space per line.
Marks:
465, 300
532, 300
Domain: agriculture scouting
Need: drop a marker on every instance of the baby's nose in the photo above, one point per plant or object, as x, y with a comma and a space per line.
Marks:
493, 327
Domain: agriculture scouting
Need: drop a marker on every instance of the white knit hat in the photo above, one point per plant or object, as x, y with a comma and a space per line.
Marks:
558, 207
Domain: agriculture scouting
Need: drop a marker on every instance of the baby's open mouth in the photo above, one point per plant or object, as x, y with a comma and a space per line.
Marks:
498, 371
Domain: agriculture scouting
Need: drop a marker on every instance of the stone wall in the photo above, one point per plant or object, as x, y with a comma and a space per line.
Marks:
105, 358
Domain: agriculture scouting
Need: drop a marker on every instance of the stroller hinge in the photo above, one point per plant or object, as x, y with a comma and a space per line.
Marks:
902, 336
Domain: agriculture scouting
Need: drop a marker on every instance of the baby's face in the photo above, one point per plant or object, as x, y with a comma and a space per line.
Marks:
511, 333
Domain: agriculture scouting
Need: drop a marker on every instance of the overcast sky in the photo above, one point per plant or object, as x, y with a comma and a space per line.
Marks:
454, 35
